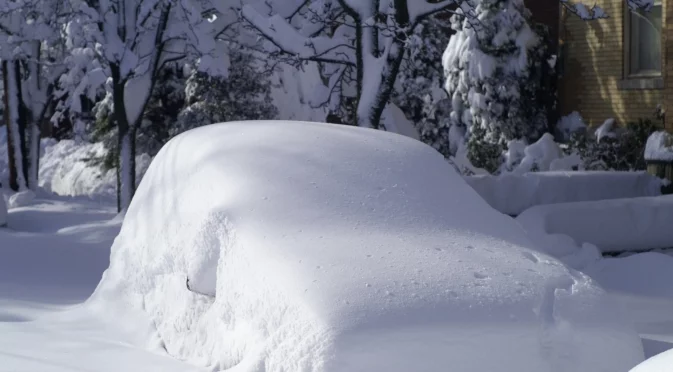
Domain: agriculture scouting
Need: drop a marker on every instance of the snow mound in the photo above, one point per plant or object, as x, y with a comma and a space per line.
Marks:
659, 147
21, 199
284, 246
658, 363
514, 193
543, 155
394, 121
612, 225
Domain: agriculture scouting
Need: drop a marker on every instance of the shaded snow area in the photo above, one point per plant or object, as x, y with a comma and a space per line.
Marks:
52, 255
618, 225
640, 283
514, 193
312, 247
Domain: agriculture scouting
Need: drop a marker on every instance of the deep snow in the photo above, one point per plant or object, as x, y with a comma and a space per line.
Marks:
298, 246
52, 256
514, 193
618, 225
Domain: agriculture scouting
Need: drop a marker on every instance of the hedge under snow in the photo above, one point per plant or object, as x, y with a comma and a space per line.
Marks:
285, 246
514, 193
618, 225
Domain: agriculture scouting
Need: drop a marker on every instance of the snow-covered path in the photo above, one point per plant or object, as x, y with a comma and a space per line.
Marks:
51, 259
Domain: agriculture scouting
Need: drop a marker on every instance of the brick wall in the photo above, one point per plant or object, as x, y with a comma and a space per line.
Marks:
593, 66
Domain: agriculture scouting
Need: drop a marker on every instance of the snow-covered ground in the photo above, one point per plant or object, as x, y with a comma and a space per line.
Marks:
52, 256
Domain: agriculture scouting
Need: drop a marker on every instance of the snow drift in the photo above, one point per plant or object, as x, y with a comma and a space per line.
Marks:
612, 225
514, 193
281, 246
658, 363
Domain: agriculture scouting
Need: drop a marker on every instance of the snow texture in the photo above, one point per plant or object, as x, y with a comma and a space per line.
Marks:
605, 130
21, 199
394, 121
68, 168
543, 155
618, 225
514, 193
271, 246
53, 254
570, 124
658, 363
659, 147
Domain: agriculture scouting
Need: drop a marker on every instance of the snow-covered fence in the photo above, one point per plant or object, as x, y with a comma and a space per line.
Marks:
514, 193
619, 225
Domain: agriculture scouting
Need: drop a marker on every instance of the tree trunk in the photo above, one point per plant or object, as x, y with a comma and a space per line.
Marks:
387, 86
16, 140
38, 108
127, 165
127, 142
22, 121
13, 174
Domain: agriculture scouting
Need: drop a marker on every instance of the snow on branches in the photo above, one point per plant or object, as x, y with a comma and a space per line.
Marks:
360, 44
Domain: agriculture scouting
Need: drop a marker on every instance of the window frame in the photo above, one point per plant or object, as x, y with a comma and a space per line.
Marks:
627, 48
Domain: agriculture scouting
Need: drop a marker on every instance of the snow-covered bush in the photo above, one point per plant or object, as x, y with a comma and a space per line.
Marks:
73, 168
610, 148
659, 147
569, 125
418, 90
496, 69
283, 246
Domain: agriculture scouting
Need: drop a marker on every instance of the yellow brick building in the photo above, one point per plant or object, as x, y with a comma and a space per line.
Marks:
620, 67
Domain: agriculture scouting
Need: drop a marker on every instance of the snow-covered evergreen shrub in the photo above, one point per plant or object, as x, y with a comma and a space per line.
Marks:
163, 109
244, 95
419, 91
621, 149
161, 114
495, 68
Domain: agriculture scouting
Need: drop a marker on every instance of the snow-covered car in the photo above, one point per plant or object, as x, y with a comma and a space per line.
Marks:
286, 246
